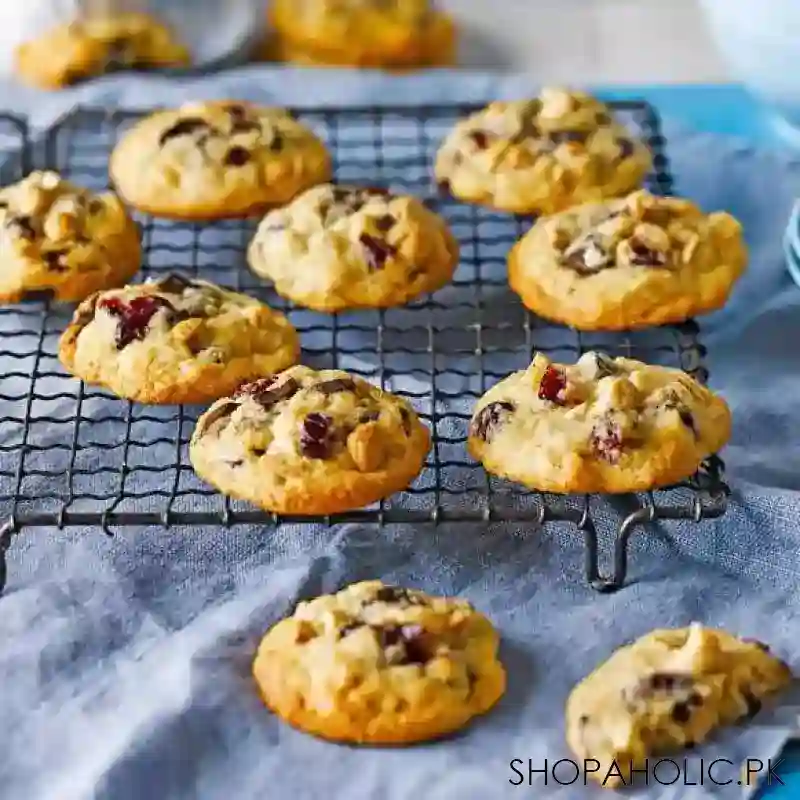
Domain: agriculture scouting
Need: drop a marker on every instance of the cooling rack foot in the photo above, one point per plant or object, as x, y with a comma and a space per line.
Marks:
7, 531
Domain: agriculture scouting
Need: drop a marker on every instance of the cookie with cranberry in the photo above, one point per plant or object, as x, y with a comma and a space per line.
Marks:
338, 247
217, 159
629, 263
378, 664
175, 340
668, 691
307, 442
75, 51
365, 33
541, 156
63, 241
605, 425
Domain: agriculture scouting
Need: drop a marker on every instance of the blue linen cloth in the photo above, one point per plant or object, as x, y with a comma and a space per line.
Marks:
125, 663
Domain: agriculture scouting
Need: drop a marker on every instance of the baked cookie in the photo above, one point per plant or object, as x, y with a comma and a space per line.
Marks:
62, 240
338, 247
306, 442
630, 263
606, 425
380, 664
364, 33
82, 49
668, 690
175, 340
541, 156
216, 159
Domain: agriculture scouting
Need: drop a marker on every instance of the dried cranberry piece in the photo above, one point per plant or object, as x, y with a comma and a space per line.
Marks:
183, 127
385, 223
316, 435
377, 251
606, 441
335, 385
480, 139
133, 318
643, 256
174, 284
267, 393
553, 385
237, 157
489, 418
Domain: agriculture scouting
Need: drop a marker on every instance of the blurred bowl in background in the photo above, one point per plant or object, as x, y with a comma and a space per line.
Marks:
761, 43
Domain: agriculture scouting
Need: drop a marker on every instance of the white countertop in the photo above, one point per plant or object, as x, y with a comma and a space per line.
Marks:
598, 41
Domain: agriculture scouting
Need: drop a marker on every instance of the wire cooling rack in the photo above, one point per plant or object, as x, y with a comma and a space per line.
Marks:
72, 455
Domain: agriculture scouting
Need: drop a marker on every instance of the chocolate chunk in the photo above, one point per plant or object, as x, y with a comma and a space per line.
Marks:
222, 411
405, 418
335, 385
237, 157
412, 640
695, 699
480, 139
588, 258
349, 628
316, 436
643, 256
368, 416
377, 251
602, 118
625, 148
395, 594
605, 365
489, 418
174, 284
23, 226
660, 680
184, 127
54, 259
95, 206
753, 704
444, 187
687, 418
385, 223
236, 110
276, 145
267, 393
759, 644
681, 712
561, 137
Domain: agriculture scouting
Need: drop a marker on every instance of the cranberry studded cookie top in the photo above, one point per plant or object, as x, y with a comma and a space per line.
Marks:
337, 247
175, 340
633, 262
599, 425
378, 663
61, 238
217, 159
667, 691
541, 155
310, 442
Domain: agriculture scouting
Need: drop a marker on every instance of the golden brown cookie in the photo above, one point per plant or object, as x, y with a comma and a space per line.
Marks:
75, 51
541, 156
379, 664
606, 425
667, 691
62, 240
338, 247
214, 160
308, 443
630, 263
363, 33
175, 340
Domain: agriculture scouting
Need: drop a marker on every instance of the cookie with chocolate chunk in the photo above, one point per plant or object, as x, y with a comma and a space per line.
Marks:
630, 263
667, 691
378, 664
606, 425
217, 159
541, 155
175, 340
63, 241
307, 442
337, 247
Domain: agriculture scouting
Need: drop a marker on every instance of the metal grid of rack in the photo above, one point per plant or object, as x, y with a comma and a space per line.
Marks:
71, 455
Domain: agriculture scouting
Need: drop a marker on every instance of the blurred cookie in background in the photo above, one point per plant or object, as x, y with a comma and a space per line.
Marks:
408, 34
75, 51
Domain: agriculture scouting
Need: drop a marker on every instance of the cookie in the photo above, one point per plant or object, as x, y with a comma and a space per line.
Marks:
217, 159
62, 240
175, 340
605, 425
364, 33
76, 51
338, 247
629, 263
308, 443
541, 156
380, 664
667, 691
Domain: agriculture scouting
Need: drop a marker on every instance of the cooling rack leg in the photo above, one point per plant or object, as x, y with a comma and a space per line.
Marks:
614, 582
7, 532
